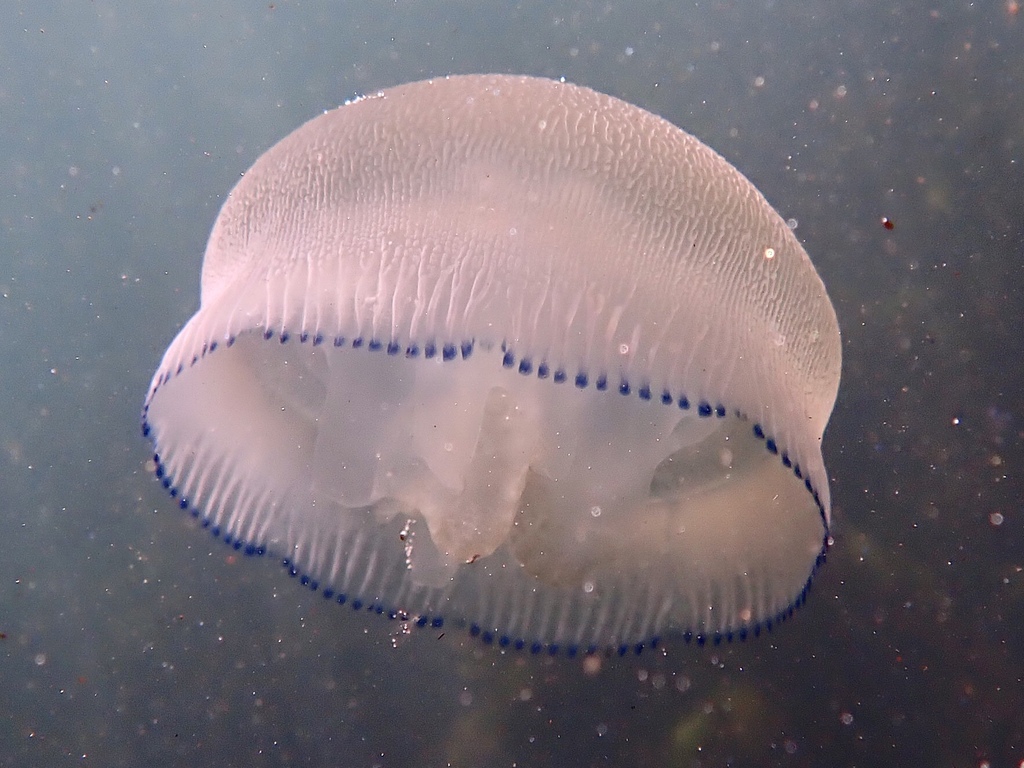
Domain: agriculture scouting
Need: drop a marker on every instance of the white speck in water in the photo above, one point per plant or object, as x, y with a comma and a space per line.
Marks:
588, 587
769, 253
792, 223
595, 511
623, 349
996, 518
40, 659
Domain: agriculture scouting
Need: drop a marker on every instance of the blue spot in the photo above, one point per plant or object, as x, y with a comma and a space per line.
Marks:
429, 350
771, 446
525, 366
508, 360
720, 411
581, 380
357, 342
542, 371
412, 351
342, 597
357, 604
437, 622
284, 336
467, 349
666, 397
684, 403
559, 376
393, 348
645, 392
601, 383
704, 409
303, 336
758, 432
268, 335
318, 340
339, 341
448, 352
624, 388
785, 460
374, 345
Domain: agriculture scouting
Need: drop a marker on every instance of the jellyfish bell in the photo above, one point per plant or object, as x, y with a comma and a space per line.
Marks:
509, 351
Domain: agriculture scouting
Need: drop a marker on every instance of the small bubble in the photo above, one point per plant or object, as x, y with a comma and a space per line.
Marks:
623, 349
40, 659
641, 675
629, 50
792, 223
683, 683
602, 729
595, 511
769, 253
449, 447
588, 587
846, 718
759, 81
465, 698
996, 518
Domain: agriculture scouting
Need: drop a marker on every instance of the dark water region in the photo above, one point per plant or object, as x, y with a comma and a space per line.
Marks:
131, 637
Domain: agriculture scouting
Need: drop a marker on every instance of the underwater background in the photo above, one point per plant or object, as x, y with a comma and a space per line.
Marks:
891, 133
